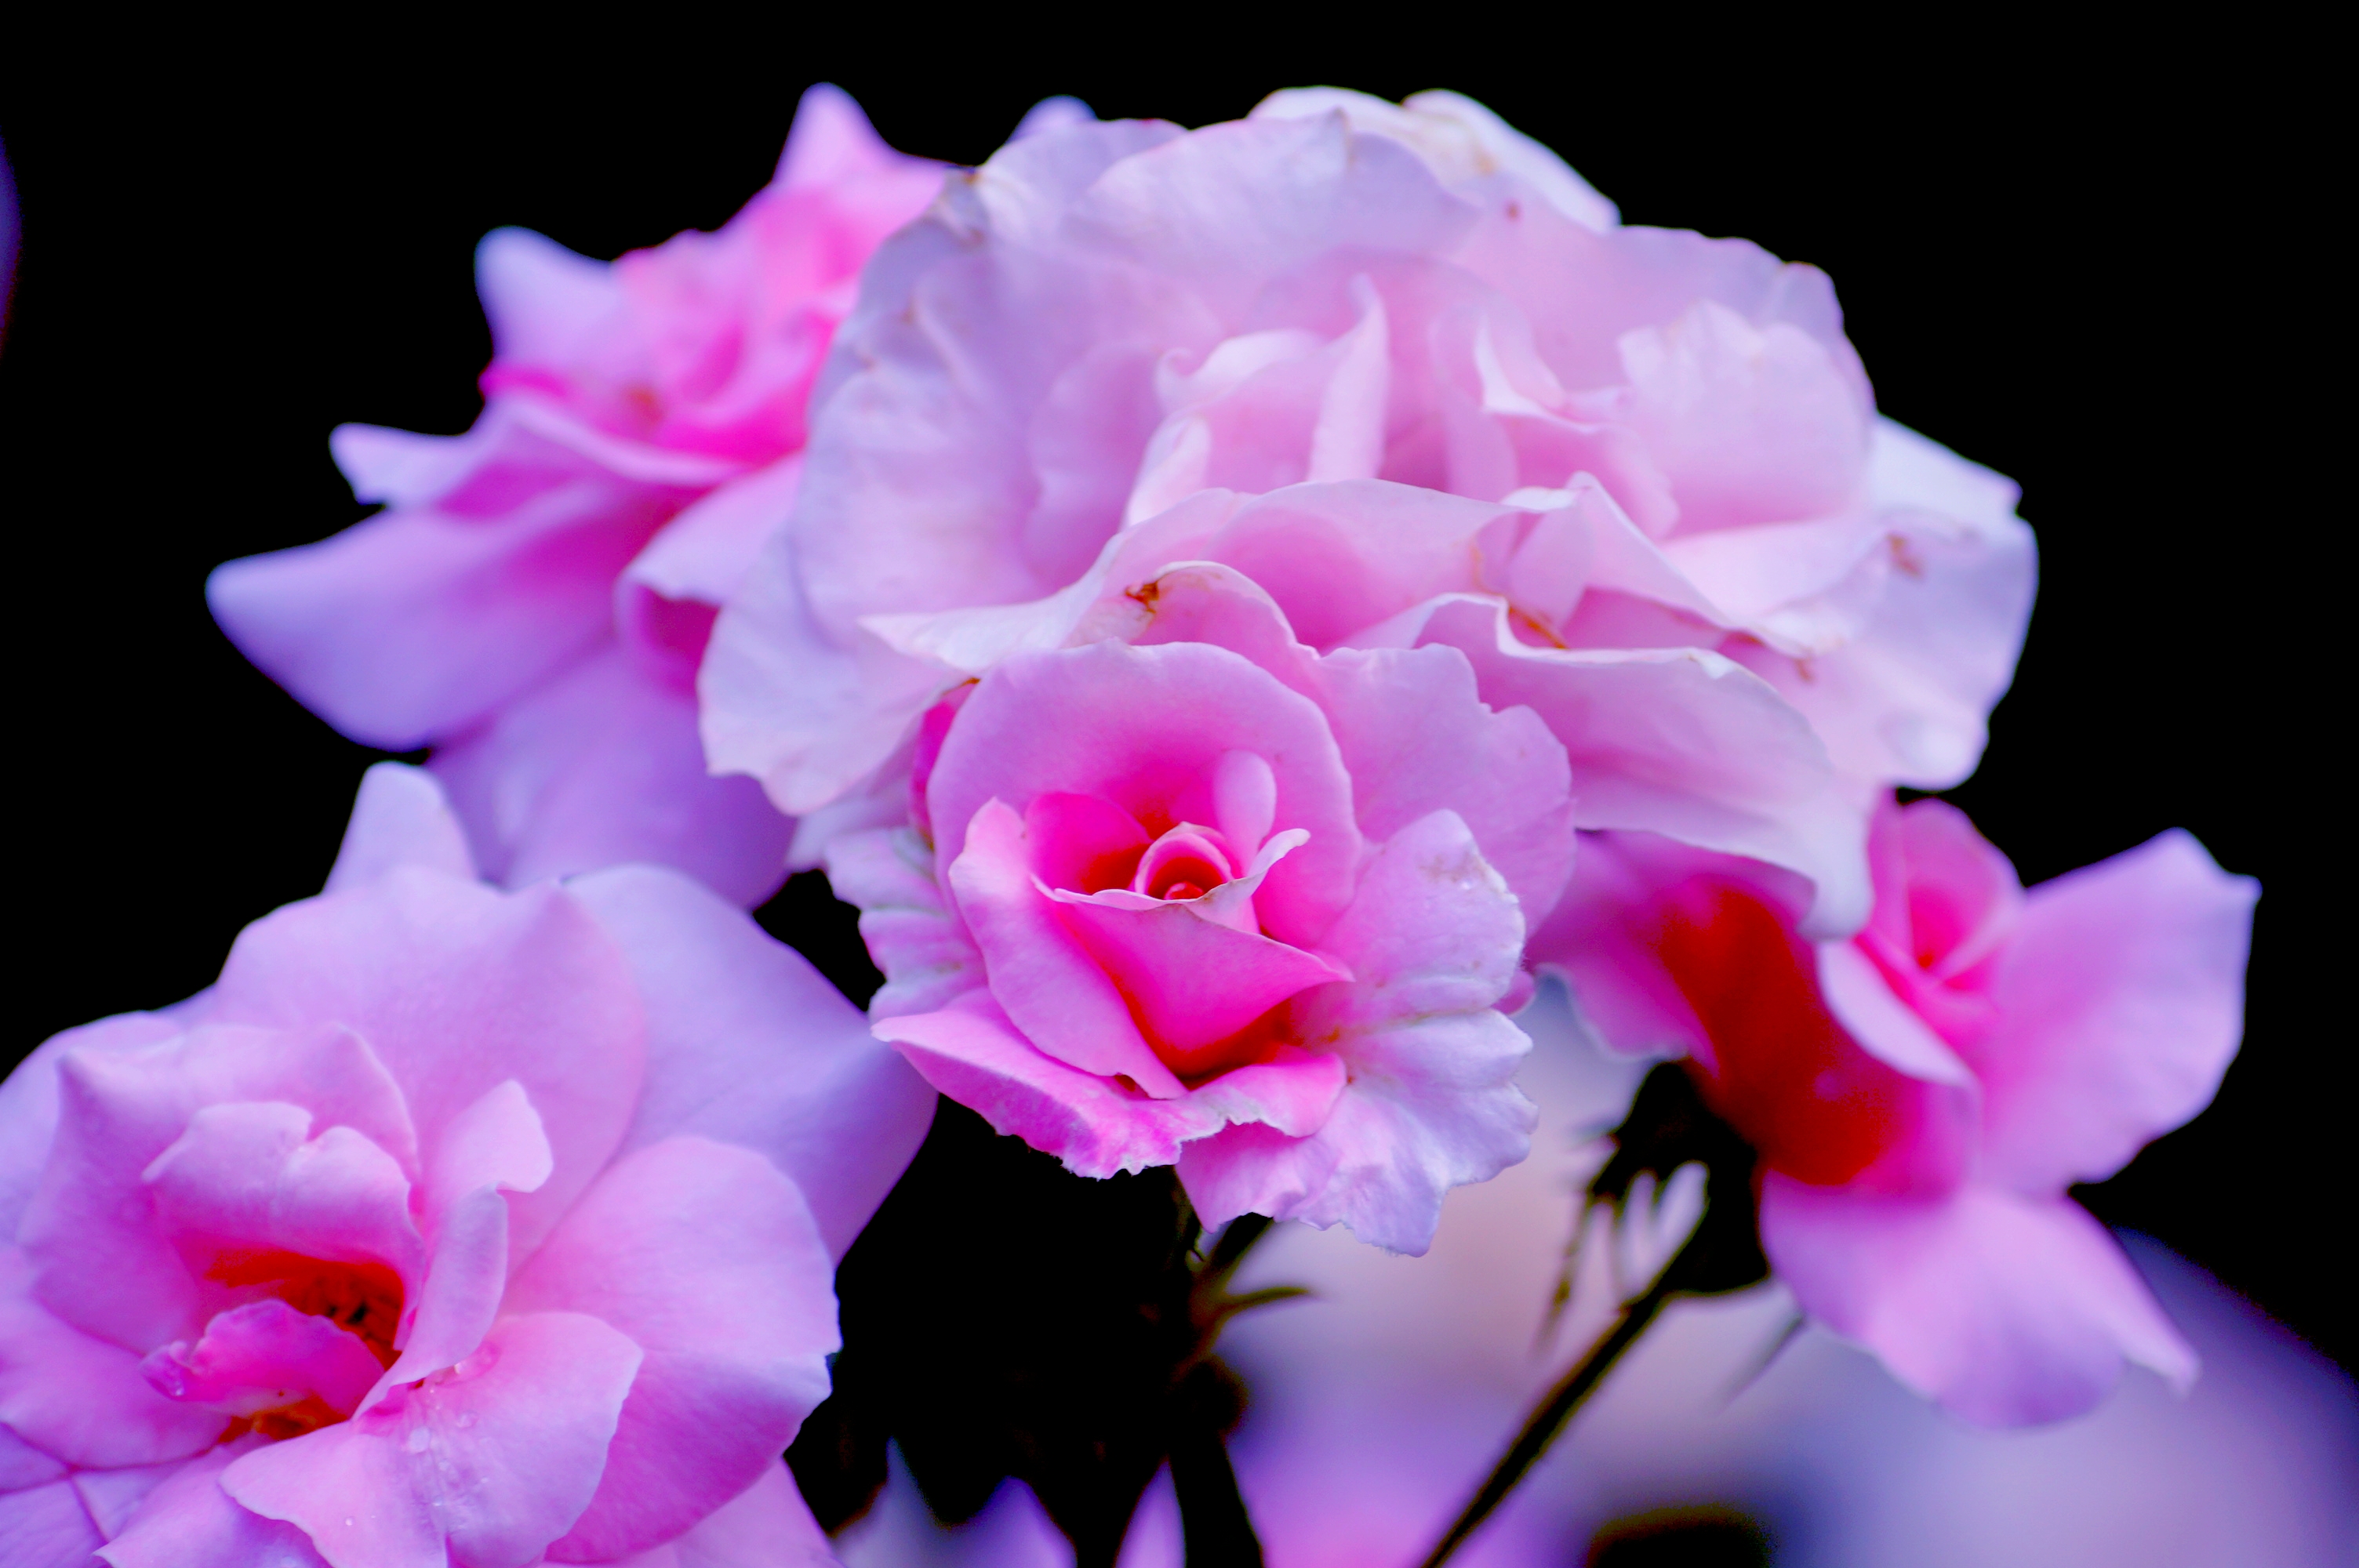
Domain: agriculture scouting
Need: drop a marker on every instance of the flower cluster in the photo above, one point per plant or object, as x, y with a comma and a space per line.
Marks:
1229, 607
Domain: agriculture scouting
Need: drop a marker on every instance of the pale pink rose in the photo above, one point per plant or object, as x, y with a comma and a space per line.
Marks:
450, 1224
1922, 1094
1209, 898
1635, 475
534, 599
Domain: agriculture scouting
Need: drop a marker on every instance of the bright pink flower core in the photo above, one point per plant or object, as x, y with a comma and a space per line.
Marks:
1782, 1071
298, 1351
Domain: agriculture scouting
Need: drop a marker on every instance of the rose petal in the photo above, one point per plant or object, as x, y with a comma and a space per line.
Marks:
601, 766
104, 1264
46, 1527
1058, 996
546, 303
245, 1178
2120, 1006
82, 1398
1907, 697
971, 1052
409, 626
458, 987
188, 1521
1081, 841
401, 818
23, 1466
1145, 729
29, 1102
703, 554
905, 918
1678, 742
1432, 938
1237, 203
1751, 424
496, 1146
767, 1525
706, 1257
265, 1356
112, 1497
1855, 992
496, 1459
748, 1044
1191, 980
2008, 1311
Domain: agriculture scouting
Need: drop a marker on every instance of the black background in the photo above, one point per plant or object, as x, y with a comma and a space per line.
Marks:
2083, 263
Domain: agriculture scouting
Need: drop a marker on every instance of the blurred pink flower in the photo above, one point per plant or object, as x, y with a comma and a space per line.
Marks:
1635, 475
449, 1221
534, 599
1211, 898
1922, 1094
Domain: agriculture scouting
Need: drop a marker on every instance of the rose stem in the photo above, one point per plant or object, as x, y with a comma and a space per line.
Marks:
1548, 1417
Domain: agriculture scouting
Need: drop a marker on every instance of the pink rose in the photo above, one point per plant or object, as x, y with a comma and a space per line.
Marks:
1921, 1095
534, 599
1209, 898
449, 1223
1635, 475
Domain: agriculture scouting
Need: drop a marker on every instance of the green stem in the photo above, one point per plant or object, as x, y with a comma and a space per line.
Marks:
1230, 1250
1213, 1523
1548, 1417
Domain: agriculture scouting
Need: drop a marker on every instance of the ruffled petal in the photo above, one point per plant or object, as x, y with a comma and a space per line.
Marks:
1429, 1106
1433, 940
905, 918
1907, 697
266, 1356
1751, 424
780, 698
1412, 728
1462, 142
702, 557
1236, 204
91, 1229
546, 304
457, 987
1146, 728
971, 1052
1678, 742
246, 1174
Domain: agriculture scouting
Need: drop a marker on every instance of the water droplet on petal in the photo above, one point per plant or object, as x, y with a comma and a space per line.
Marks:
474, 1365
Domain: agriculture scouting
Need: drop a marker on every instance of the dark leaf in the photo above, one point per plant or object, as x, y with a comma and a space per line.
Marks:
1669, 1126
1005, 1317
